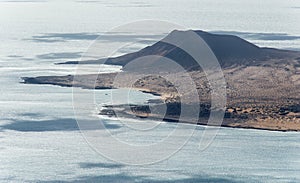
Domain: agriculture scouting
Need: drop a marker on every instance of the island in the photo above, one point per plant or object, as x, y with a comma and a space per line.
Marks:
262, 84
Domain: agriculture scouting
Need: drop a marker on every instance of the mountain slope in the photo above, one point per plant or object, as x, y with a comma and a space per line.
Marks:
230, 51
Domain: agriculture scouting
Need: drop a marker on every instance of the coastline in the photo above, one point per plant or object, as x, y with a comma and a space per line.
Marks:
143, 112
262, 84
231, 119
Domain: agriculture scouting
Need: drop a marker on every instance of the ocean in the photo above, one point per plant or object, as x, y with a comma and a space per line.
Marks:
39, 137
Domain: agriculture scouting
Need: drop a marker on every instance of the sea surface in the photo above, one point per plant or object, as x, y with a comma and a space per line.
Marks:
39, 137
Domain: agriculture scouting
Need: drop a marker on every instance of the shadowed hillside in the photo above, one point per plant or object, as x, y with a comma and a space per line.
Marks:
230, 51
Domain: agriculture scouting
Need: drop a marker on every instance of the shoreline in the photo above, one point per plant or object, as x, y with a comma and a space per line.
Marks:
128, 113
235, 117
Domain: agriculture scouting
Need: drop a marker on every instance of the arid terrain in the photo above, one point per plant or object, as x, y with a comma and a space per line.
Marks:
262, 84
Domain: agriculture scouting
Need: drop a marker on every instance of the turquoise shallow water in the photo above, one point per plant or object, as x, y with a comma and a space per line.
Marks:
39, 138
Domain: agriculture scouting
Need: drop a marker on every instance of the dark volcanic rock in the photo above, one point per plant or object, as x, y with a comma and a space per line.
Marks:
230, 50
